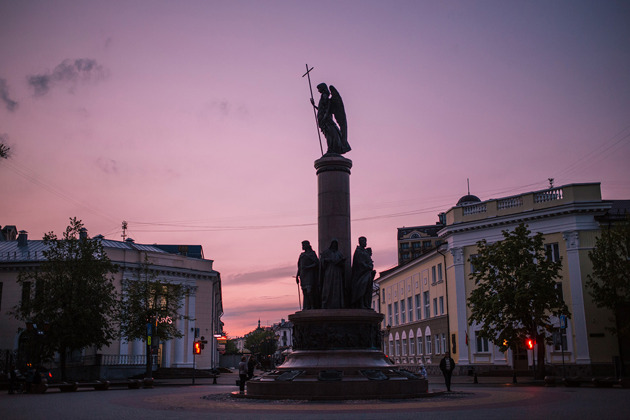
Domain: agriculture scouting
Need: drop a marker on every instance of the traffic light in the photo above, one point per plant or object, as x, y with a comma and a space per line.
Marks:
197, 347
530, 343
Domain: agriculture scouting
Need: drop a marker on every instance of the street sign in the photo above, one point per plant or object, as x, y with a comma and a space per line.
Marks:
563, 322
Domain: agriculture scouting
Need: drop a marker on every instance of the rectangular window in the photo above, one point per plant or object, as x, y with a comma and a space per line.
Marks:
403, 313
404, 347
560, 339
553, 252
396, 316
559, 290
420, 348
416, 245
389, 314
426, 244
412, 346
397, 347
26, 295
428, 344
453, 338
438, 350
444, 348
427, 305
435, 308
472, 263
383, 296
410, 308
391, 348
418, 307
433, 276
404, 245
482, 344
439, 272
441, 305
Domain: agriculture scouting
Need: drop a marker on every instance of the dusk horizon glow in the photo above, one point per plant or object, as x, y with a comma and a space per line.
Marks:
191, 120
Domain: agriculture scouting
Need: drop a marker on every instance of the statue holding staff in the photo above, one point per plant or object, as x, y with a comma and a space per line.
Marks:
331, 105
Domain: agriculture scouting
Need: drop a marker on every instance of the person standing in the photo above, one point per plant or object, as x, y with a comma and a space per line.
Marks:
242, 374
447, 366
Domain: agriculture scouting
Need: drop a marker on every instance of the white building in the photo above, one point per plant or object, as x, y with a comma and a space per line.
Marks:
179, 264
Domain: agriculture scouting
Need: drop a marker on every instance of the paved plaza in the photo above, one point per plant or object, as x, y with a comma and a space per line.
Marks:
490, 399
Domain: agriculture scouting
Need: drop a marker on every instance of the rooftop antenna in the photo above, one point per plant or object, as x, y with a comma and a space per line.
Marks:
468, 182
124, 228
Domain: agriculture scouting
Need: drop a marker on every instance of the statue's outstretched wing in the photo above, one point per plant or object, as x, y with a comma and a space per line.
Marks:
339, 112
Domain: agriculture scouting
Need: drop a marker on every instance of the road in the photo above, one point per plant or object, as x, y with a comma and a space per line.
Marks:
179, 401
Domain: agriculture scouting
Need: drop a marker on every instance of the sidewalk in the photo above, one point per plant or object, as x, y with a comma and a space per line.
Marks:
435, 381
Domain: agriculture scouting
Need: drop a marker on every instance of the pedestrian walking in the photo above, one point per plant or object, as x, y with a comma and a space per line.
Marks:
242, 374
447, 366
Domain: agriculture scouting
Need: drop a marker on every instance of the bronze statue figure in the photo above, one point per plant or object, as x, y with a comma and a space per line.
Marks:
332, 261
362, 276
308, 276
331, 104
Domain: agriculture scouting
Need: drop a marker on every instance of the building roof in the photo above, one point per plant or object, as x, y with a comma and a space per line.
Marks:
429, 230
34, 249
468, 199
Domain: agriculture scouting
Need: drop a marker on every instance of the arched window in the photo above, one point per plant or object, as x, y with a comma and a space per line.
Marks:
397, 345
390, 352
404, 344
419, 343
427, 341
412, 343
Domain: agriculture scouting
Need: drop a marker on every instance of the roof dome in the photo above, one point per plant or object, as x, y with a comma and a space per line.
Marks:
468, 199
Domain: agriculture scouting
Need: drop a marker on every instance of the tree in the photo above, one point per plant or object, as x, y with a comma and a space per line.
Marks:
5, 150
150, 308
516, 291
609, 283
262, 342
74, 294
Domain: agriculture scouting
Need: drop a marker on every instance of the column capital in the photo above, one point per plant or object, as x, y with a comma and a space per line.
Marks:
458, 255
572, 238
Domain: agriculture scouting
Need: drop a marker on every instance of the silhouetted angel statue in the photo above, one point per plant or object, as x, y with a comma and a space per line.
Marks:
330, 104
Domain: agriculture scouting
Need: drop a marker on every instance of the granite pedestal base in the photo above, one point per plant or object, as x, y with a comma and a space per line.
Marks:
336, 356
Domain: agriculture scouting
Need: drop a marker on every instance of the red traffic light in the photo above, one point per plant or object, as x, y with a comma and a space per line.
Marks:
529, 343
197, 347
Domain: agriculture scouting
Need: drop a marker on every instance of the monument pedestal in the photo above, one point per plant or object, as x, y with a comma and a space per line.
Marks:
336, 356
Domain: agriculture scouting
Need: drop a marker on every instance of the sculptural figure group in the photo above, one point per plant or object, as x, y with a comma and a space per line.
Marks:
323, 282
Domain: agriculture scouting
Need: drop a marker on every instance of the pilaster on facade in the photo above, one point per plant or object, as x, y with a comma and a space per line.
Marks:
463, 354
578, 315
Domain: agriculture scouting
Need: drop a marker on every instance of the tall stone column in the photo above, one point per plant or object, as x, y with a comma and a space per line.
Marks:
333, 205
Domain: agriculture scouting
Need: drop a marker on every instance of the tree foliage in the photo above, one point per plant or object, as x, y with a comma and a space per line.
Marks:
4, 151
609, 283
149, 299
261, 341
515, 294
74, 293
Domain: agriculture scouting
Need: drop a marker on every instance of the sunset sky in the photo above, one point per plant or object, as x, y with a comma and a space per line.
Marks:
191, 119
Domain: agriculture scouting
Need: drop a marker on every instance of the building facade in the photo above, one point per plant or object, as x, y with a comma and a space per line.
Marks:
203, 303
568, 217
414, 299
